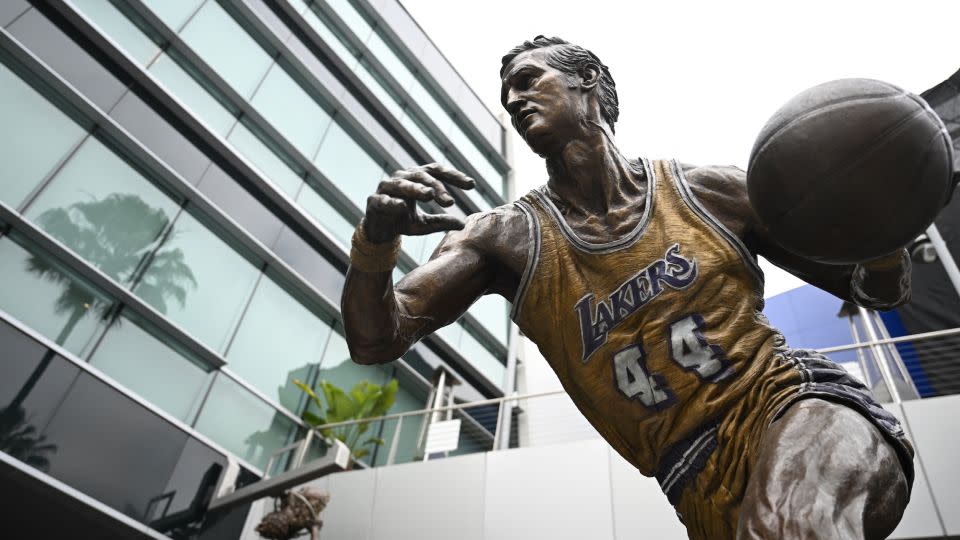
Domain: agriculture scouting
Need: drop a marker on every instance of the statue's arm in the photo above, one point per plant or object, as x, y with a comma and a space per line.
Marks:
880, 284
383, 321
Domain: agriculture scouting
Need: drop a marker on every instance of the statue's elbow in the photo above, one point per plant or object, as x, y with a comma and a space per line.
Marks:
370, 355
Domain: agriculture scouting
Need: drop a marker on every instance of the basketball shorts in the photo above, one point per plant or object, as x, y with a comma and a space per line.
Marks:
705, 475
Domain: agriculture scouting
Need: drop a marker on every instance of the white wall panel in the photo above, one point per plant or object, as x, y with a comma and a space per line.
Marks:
640, 509
434, 500
558, 492
935, 425
350, 513
920, 518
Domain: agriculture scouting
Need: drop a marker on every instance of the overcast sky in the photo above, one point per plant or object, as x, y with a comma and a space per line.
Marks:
698, 79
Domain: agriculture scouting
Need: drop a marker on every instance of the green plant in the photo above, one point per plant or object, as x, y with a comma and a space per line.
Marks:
364, 400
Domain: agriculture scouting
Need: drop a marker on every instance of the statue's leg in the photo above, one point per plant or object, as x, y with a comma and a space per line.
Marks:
824, 471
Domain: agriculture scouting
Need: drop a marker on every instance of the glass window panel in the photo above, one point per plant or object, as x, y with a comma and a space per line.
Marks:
348, 165
491, 311
143, 363
11, 9
72, 62
310, 263
33, 382
475, 157
194, 96
422, 97
339, 369
390, 60
173, 12
161, 137
451, 334
42, 294
333, 40
479, 199
352, 18
243, 423
481, 358
298, 5
197, 473
291, 110
279, 340
110, 448
332, 220
260, 155
378, 90
198, 282
119, 28
35, 136
436, 154
413, 246
104, 210
227, 48
246, 209
430, 243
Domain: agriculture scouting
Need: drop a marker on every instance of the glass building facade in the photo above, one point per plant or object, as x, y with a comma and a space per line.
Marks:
180, 182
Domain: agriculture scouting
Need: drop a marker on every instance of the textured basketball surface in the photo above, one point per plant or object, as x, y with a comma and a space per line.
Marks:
850, 170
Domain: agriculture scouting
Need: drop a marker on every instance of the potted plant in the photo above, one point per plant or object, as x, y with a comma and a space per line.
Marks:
365, 400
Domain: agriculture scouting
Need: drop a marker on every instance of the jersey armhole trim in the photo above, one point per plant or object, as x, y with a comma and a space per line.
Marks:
533, 258
698, 208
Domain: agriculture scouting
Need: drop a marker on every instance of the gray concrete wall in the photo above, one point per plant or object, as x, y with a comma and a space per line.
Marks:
583, 489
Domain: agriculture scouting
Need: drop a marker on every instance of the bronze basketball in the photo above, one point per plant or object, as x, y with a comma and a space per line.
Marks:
850, 170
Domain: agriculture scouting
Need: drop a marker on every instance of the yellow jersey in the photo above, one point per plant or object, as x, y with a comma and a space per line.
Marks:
656, 334
659, 339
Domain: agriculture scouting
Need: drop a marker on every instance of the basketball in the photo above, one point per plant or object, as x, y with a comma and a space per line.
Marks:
850, 170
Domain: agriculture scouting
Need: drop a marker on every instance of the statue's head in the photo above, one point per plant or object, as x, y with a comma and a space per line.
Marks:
552, 88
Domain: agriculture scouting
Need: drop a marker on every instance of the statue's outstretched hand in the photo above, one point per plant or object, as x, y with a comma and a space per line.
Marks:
392, 210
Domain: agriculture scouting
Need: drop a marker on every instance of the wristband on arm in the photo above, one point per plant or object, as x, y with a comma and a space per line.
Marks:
367, 256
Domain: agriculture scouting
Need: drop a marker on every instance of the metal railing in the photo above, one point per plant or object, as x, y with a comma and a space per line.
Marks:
894, 368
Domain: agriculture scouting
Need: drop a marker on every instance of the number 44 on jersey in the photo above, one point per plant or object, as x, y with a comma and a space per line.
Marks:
688, 348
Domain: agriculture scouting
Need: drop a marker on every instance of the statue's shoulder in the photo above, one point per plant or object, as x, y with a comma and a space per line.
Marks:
492, 225
714, 175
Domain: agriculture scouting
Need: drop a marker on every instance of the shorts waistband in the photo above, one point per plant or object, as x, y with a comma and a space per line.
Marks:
684, 460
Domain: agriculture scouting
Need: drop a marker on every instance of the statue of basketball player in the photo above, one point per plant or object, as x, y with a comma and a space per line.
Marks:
638, 281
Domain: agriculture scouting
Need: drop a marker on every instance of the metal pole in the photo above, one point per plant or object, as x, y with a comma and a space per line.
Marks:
426, 417
302, 450
943, 253
895, 356
879, 355
437, 405
502, 436
392, 456
860, 356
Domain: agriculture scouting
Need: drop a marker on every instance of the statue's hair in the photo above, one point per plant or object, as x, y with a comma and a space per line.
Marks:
571, 59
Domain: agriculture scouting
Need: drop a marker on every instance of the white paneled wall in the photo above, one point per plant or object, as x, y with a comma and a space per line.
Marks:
582, 490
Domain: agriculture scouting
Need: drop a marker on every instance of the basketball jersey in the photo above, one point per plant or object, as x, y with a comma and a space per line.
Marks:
655, 335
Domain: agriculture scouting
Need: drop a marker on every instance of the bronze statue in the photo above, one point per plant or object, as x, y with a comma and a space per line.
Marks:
638, 281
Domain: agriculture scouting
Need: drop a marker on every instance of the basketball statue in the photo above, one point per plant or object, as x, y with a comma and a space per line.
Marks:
638, 281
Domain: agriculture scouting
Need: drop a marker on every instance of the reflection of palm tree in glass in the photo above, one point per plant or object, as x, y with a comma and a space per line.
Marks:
118, 235
20, 439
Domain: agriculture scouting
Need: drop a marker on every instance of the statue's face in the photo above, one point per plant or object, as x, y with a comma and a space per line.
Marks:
545, 104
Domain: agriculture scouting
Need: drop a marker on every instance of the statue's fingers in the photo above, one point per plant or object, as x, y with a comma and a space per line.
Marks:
405, 189
442, 196
431, 223
450, 176
386, 204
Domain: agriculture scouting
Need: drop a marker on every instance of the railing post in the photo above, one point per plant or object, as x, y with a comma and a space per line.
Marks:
880, 355
943, 252
392, 455
505, 414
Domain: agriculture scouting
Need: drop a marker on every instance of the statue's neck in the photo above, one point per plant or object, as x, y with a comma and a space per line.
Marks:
591, 176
